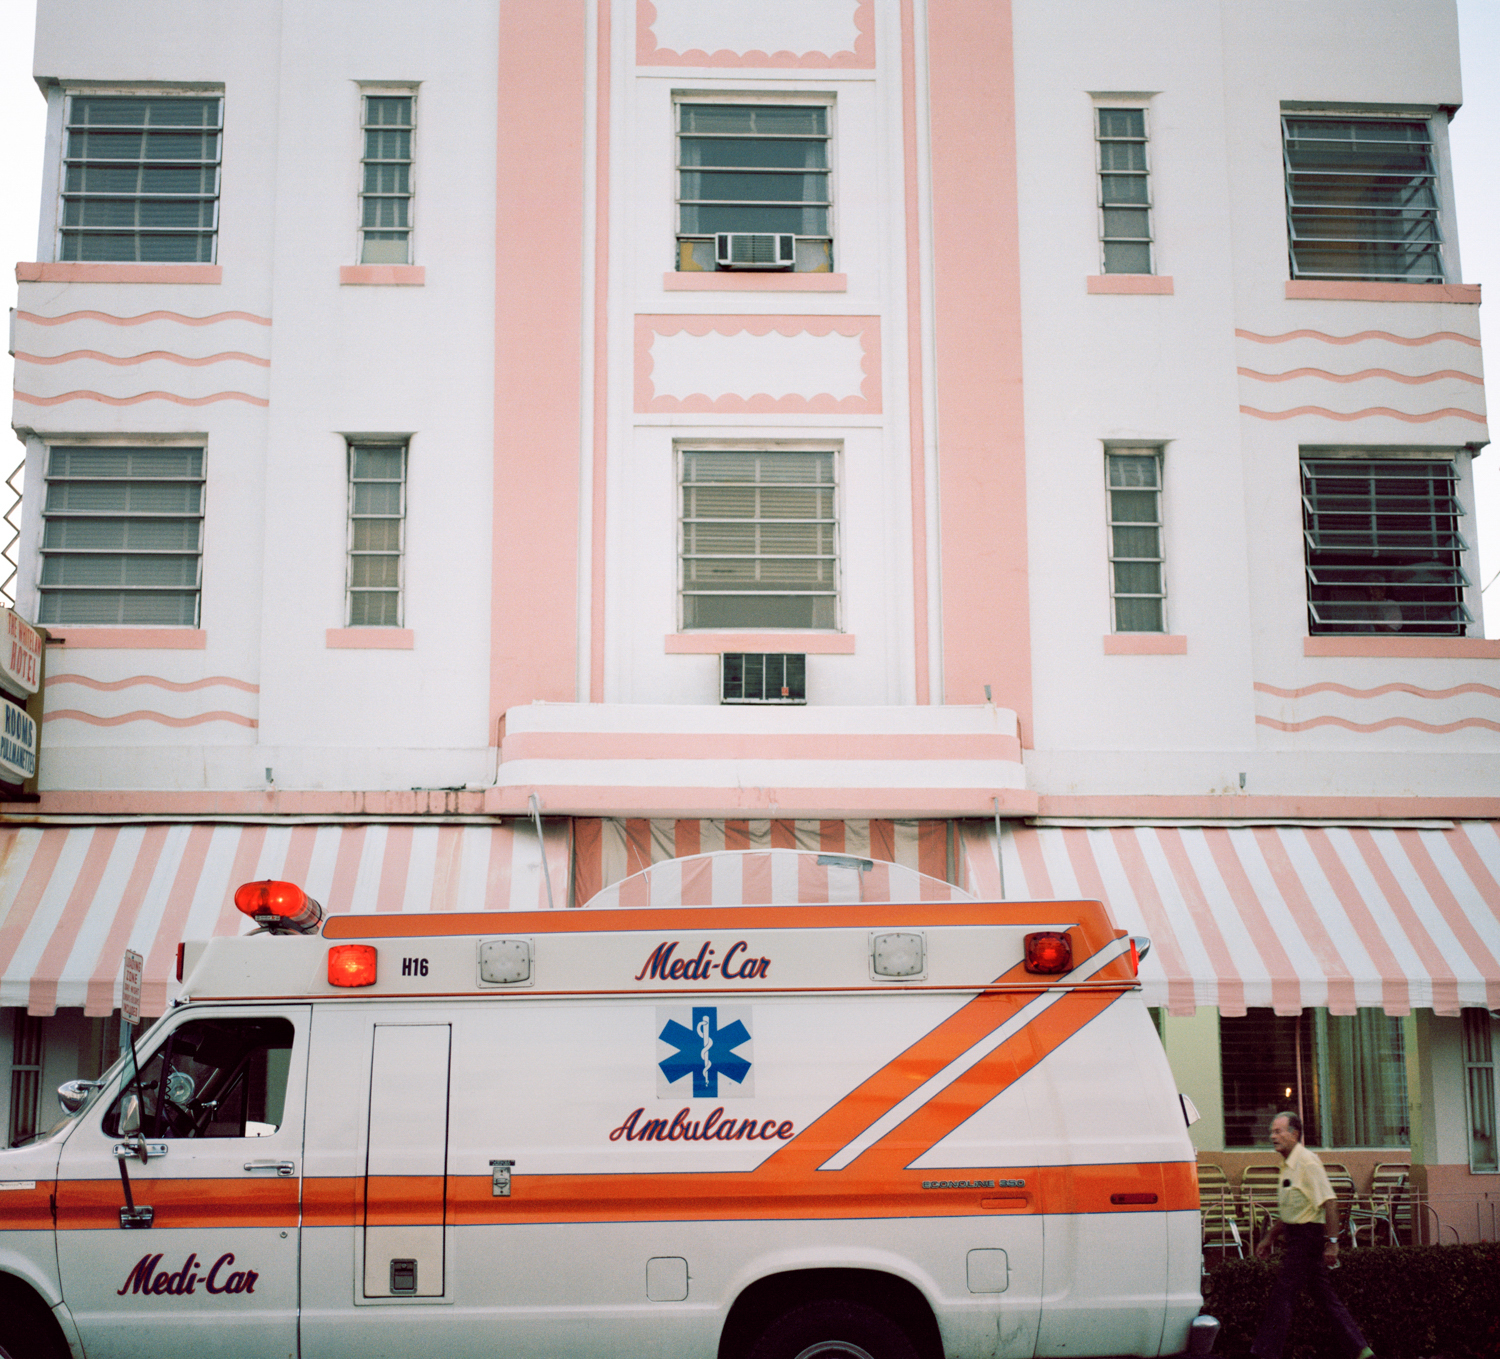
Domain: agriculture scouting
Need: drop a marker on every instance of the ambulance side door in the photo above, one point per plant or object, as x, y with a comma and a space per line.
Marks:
377, 1254
201, 1254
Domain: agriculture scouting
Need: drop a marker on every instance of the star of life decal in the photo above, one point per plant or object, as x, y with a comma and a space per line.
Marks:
705, 1051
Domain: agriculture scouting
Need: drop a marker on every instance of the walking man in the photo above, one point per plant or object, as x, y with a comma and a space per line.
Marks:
1307, 1216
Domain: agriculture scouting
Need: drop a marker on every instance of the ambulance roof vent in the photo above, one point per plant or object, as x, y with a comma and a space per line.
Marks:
505, 962
898, 955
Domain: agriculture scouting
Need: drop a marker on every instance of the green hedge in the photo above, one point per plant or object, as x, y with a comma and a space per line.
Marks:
1411, 1302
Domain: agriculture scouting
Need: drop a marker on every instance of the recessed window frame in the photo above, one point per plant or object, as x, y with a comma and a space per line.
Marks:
1303, 1063
356, 614
61, 514
407, 198
686, 620
1480, 1091
1386, 595
1108, 198
1116, 527
695, 251
69, 190
1303, 205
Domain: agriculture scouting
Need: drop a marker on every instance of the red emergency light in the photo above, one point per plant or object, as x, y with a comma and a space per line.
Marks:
281, 907
351, 965
1049, 952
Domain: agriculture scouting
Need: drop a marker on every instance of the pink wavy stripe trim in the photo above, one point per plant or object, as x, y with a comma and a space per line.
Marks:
141, 320
1425, 418
89, 682
147, 715
1329, 687
1439, 728
1357, 338
121, 360
649, 53
144, 396
1360, 376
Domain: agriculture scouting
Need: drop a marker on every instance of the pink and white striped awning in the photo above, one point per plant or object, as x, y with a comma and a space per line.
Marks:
610, 849
1288, 917
73, 899
774, 877
1280, 916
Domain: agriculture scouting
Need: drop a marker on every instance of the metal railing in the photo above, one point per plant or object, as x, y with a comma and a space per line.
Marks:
1234, 1223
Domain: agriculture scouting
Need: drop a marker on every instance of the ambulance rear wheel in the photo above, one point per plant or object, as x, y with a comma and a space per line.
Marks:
833, 1329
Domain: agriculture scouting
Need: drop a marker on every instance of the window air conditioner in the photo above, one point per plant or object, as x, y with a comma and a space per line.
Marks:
753, 677
754, 250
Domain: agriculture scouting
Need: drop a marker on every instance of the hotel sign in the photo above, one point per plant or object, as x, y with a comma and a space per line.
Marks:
20, 652
17, 743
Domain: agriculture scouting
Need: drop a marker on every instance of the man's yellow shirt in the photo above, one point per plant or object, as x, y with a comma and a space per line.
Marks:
1304, 1188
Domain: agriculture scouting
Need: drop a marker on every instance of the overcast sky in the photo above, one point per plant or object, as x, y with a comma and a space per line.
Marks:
1476, 170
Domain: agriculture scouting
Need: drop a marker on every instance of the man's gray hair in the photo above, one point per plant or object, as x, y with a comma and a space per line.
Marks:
1294, 1121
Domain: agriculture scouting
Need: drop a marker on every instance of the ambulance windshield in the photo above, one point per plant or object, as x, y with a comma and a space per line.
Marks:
209, 1078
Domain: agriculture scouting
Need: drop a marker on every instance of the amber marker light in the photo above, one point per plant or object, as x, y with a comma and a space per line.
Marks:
282, 907
351, 965
1049, 952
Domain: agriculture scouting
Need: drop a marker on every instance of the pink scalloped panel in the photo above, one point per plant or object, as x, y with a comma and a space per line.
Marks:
865, 328
860, 57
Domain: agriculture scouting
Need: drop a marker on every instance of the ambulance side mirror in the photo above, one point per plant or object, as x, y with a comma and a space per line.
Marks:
130, 1115
1190, 1112
73, 1095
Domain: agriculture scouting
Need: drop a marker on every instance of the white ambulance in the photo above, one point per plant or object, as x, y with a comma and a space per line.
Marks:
811, 1132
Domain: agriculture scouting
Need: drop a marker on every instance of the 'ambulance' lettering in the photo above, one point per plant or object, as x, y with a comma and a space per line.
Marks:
714, 1128
736, 965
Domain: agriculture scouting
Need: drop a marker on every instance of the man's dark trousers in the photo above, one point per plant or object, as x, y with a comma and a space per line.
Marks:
1302, 1267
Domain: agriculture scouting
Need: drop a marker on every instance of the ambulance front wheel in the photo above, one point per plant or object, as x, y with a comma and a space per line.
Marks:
833, 1329
27, 1329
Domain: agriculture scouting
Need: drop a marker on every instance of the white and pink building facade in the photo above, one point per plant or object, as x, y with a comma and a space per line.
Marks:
476, 458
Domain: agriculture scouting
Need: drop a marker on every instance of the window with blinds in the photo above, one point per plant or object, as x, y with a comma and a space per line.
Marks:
377, 534
753, 168
25, 1078
1124, 191
1344, 1074
1362, 199
386, 187
759, 546
1137, 580
141, 179
1383, 550
1479, 1089
122, 536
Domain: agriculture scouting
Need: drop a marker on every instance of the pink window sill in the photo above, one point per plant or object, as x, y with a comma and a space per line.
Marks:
712, 643
1130, 283
371, 639
1452, 648
1322, 290
726, 281
119, 273
383, 275
143, 639
1145, 644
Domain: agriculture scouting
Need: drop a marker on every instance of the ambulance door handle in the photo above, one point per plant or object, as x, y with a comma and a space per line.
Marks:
283, 1168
